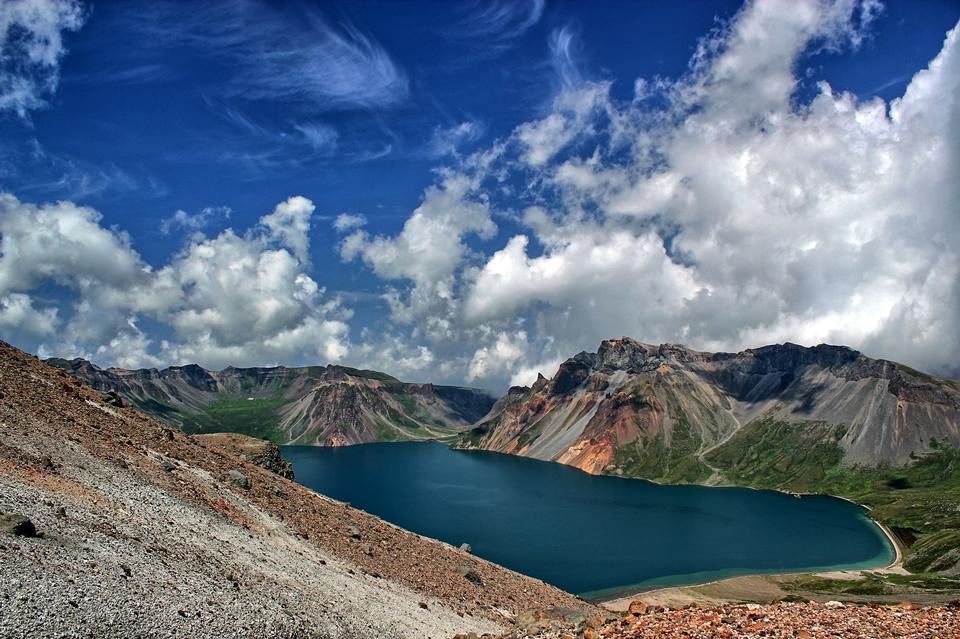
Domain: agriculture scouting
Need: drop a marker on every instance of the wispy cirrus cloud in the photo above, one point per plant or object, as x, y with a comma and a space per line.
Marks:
40, 171
495, 25
563, 57
31, 47
282, 53
447, 141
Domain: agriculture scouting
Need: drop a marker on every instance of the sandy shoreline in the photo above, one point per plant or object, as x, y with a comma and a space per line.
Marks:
622, 601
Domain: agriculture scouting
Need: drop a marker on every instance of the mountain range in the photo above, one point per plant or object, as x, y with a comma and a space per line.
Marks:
322, 405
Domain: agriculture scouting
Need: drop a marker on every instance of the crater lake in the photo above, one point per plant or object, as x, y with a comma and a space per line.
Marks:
591, 535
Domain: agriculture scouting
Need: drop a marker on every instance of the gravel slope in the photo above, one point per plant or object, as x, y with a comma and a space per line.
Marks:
146, 531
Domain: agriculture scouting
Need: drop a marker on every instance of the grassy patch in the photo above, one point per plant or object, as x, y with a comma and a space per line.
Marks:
255, 417
769, 453
874, 584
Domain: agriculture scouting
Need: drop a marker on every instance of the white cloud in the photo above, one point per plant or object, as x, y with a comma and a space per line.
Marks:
231, 299
286, 53
447, 141
498, 357
430, 246
562, 57
319, 136
713, 209
31, 47
729, 218
17, 312
290, 225
191, 223
497, 23
349, 221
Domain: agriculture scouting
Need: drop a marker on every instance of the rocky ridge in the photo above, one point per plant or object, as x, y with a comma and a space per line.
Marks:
322, 405
142, 530
659, 411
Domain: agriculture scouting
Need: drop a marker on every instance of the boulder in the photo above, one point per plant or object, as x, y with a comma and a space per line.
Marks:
353, 532
19, 525
239, 479
466, 548
637, 608
113, 398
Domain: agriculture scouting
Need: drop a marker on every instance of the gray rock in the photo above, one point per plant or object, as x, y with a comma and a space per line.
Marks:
14, 524
168, 466
470, 575
238, 478
466, 548
368, 550
113, 398
353, 531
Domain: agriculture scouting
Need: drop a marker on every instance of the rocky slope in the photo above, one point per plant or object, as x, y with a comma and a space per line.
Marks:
323, 405
141, 530
798, 620
668, 413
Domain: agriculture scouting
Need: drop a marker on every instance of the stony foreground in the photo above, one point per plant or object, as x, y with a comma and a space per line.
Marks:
138, 530
778, 620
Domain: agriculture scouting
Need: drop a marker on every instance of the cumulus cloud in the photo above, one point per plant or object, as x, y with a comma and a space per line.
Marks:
31, 48
231, 299
431, 244
716, 209
713, 209
17, 312
290, 225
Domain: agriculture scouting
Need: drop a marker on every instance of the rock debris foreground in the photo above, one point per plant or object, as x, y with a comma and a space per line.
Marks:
782, 620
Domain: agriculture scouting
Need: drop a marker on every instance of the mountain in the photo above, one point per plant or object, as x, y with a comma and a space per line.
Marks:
115, 525
822, 419
673, 414
323, 405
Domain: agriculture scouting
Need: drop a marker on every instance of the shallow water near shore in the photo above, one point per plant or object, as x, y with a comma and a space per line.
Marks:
595, 536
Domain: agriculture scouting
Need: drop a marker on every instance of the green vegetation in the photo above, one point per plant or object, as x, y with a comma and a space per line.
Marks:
769, 453
653, 458
873, 584
922, 497
255, 417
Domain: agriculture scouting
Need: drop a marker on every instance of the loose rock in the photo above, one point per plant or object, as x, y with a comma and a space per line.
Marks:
239, 479
19, 525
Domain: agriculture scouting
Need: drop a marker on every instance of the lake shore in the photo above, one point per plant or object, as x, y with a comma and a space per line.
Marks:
753, 587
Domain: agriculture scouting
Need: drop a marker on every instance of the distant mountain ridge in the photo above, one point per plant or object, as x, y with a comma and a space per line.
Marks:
316, 405
670, 413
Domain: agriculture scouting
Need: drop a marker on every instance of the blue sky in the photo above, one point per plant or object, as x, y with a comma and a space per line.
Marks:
424, 140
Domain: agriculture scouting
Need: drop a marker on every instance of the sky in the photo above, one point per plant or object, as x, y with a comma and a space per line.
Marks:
472, 192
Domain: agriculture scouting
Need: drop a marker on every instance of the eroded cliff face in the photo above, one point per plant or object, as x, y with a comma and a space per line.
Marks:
659, 412
322, 405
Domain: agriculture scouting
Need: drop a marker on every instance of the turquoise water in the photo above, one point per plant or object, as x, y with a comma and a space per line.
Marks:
595, 536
